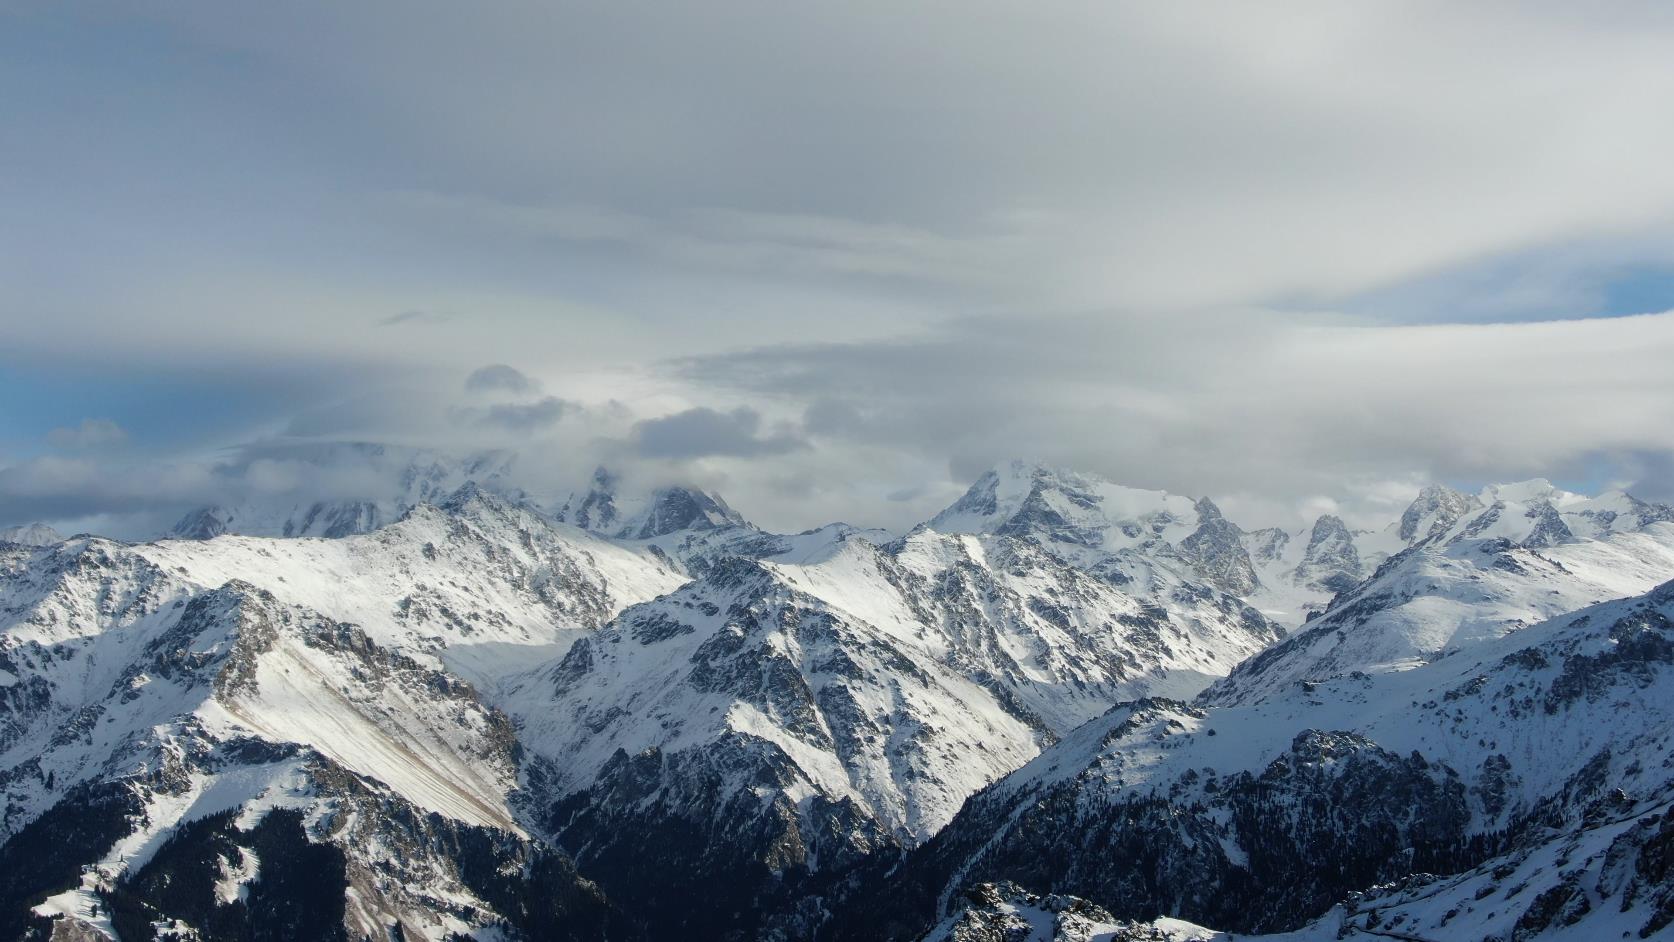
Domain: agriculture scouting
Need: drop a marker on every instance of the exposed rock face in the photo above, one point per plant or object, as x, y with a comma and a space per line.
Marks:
1267, 545
1331, 563
1006, 912
1549, 528
204, 523
596, 510
677, 508
1194, 850
1216, 548
1434, 512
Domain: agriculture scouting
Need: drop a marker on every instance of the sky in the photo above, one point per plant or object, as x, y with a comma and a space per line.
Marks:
834, 260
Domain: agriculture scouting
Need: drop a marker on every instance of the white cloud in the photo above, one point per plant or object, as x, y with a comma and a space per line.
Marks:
91, 433
1283, 417
1092, 232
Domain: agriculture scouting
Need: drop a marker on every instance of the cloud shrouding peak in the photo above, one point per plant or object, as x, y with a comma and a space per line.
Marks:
701, 432
839, 258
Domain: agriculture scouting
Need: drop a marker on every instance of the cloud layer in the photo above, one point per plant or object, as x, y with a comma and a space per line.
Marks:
833, 259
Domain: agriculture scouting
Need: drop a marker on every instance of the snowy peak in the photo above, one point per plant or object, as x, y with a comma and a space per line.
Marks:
1019, 498
672, 509
204, 523
327, 519
741, 658
1617, 511
30, 534
1537, 514
1103, 527
1435, 511
1534, 490
1500, 570
664, 511
388, 481
1331, 562
596, 510
1217, 549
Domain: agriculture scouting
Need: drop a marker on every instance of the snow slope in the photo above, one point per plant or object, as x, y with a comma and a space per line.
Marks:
1448, 594
1554, 740
30, 534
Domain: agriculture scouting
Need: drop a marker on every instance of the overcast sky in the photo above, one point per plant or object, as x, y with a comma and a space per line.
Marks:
834, 259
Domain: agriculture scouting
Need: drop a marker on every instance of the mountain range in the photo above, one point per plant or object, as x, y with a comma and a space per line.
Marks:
1061, 708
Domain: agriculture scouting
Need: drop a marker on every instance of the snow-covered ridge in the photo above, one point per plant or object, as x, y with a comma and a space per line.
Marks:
30, 534
725, 725
371, 485
1552, 743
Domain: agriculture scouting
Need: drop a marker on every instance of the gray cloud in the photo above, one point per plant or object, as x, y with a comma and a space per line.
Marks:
91, 433
702, 432
534, 416
415, 319
904, 241
1271, 412
498, 377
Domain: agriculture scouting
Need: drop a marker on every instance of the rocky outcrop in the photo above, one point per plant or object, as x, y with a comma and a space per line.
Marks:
1216, 549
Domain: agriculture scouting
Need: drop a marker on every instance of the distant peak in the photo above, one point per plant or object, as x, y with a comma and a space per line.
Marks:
30, 534
605, 509
605, 480
466, 494
1522, 492
1436, 509
1328, 525
682, 508
204, 523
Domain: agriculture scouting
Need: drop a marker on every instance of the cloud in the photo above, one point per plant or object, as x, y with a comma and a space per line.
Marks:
702, 432
55, 488
1107, 154
880, 246
1239, 403
91, 433
498, 377
415, 319
534, 416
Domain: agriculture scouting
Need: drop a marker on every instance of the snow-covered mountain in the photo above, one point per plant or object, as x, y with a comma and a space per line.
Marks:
789, 718
30, 534
1061, 706
1119, 532
167, 681
690, 526
604, 509
1502, 564
375, 485
256, 766
1535, 768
